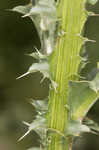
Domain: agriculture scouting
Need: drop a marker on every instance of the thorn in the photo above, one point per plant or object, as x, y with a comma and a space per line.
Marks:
89, 13
26, 123
85, 38
43, 78
54, 85
88, 40
93, 132
27, 15
8, 9
24, 135
37, 50
25, 74
94, 14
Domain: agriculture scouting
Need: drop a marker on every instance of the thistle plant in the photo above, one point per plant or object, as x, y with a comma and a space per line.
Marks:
59, 26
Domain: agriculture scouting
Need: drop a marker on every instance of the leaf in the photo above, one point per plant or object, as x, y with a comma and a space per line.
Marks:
75, 128
80, 99
94, 84
22, 9
40, 105
37, 55
43, 14
93, 2
35, 148
38, 125
91, 124
42, 67
44, 7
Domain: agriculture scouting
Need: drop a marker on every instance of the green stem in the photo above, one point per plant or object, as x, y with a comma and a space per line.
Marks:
64, 64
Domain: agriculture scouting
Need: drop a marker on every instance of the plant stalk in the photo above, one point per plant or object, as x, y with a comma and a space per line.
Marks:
64, 65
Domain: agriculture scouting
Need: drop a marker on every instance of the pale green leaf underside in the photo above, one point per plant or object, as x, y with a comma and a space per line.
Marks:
40, 105
75, 128
80, 98
39, 126
42, 67
22, 9
34, 148
44, 17
92, 1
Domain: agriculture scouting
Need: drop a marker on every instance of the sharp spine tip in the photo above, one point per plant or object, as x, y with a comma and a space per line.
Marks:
23, 136
25, 74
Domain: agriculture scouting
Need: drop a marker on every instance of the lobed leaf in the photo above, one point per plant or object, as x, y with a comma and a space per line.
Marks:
81, 96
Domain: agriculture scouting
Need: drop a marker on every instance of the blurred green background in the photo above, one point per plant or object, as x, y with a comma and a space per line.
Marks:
18, 37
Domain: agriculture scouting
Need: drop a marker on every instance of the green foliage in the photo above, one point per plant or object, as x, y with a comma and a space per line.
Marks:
34, 148
92, 1
75, 128
43, 67
92, 125
80, 98
94, 84
71, 98
39, 125
43, 14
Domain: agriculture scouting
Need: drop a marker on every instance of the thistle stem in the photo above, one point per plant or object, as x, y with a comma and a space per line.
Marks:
64, 64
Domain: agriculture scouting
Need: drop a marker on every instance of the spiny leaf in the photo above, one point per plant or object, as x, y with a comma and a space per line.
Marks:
38, 125
42, 67
39, 122
23, 9
44, 7
37, 55
75, 128
40, 105
80, 98
43, 14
